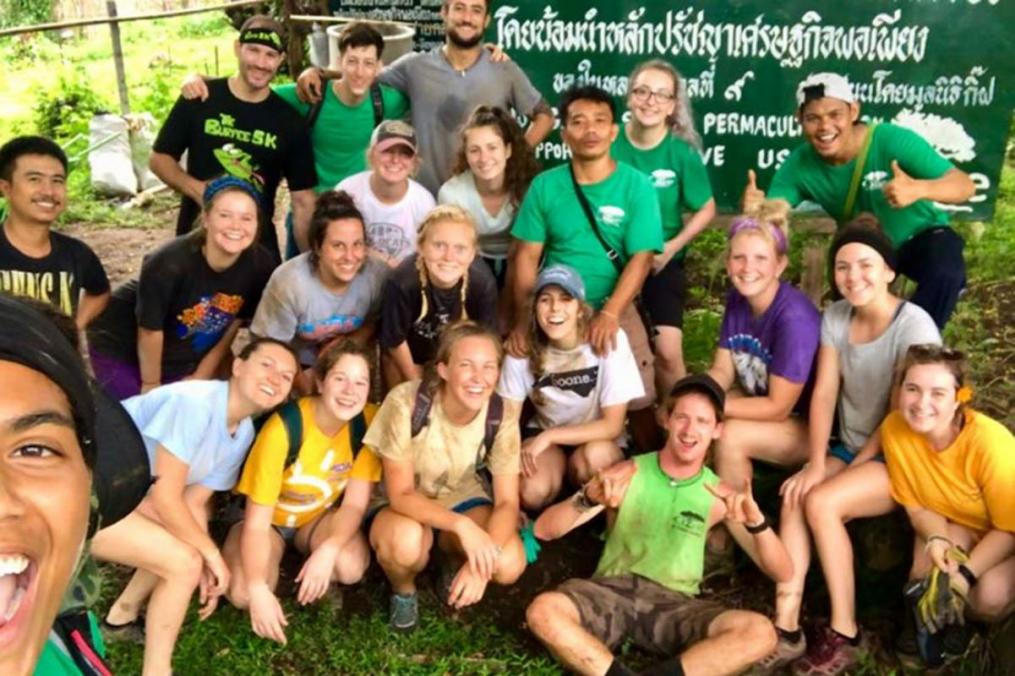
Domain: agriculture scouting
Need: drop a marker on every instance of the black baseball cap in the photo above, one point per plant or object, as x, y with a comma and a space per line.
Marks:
111, 445
703, 384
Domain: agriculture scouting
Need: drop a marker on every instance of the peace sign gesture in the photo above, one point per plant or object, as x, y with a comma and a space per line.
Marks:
740, 505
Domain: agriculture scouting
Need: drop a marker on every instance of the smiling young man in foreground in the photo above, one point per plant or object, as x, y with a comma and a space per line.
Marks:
646, 585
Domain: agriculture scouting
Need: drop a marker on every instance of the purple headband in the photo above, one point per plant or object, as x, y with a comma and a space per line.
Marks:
742, 223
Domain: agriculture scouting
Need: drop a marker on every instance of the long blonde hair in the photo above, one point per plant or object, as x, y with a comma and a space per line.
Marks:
682, 118
440, 214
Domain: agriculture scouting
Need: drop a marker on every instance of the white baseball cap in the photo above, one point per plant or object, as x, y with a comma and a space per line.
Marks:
822, 85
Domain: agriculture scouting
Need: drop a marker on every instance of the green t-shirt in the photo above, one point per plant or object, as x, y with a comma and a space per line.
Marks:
341, 135
677, 173
661, 528
804, 175
54, 660
626, 209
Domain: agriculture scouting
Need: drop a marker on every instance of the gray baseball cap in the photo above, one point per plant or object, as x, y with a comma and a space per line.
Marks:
563, 276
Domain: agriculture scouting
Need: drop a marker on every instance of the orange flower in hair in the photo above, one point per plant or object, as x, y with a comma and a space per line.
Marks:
964, 394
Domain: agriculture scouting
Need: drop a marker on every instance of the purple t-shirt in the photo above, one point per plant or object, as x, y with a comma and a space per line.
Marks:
782, 342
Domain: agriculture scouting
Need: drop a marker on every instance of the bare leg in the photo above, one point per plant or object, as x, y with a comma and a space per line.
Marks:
403, 548
781, 443
669, 357
555, 621
993, 597
736, 640
858, 492
237, 593
128, 604
591, 457
141, 543
538, 490
354, 557
510, 564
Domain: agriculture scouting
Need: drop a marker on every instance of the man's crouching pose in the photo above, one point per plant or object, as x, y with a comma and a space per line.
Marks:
645, 586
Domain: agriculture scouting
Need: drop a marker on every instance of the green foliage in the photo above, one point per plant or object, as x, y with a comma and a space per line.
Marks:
65, 110
25, 12
205, 25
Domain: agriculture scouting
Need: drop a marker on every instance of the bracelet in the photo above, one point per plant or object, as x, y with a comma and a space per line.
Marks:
968, 574
931, 539
761, 527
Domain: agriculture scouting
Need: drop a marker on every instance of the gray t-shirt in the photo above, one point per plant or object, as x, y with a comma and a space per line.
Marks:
442, 98
867, 369
296, 307
494, 230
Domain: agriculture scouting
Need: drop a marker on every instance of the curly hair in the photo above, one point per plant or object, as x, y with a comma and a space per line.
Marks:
681, 120
442, 213
522, 165
539, 342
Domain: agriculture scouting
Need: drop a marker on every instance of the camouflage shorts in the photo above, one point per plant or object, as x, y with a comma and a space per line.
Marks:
632, 607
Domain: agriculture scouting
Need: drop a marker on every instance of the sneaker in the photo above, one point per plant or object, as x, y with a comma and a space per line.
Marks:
786, 651
128, 632
832, 654
404, 612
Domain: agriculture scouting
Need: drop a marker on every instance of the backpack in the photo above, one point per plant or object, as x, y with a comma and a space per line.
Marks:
292, 419
494, 416
376, 99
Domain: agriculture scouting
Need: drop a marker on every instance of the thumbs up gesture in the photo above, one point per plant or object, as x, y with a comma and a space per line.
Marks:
903, 189
753, 195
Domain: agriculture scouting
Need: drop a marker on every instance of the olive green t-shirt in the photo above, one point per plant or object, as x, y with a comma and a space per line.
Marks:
678, 175
805, 176
625, 206
341, 135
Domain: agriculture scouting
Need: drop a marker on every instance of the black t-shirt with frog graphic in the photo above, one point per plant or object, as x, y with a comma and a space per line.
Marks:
259, 142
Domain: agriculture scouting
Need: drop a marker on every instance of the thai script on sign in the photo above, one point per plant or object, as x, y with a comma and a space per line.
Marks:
965, 90
689, 32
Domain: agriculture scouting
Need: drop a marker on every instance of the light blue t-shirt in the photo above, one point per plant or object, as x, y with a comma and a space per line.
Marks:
188, 419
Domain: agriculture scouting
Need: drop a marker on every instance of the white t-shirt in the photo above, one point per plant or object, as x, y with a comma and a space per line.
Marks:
575, 384
391, 228
188, 419
494, 230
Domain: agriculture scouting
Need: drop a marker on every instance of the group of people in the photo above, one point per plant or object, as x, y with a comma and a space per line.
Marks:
525, 330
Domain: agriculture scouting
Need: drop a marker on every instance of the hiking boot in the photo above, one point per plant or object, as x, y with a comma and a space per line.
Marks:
786, 652
832, 654
404, 612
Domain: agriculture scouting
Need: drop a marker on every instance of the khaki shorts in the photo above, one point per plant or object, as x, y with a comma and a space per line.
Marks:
632, 607
637, 336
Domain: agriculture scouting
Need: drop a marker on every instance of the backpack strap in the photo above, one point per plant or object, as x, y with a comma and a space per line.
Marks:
420, 411
494, 417
377, 101
357, 430
292, 419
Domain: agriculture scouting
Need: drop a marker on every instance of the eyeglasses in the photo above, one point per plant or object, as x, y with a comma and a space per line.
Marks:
645, 94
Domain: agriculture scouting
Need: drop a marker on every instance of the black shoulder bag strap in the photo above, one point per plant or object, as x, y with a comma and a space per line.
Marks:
611, 253
377, 101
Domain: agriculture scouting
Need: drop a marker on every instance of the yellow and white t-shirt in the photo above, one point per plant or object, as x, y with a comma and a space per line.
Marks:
316, 480
445, 456
971, 483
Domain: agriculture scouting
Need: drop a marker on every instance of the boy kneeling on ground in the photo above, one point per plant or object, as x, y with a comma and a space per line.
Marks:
648, 577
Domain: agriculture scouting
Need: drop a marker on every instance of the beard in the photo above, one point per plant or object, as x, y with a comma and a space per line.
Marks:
460, 42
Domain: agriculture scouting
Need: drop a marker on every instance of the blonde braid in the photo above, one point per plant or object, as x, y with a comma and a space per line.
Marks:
424, 279
465, 290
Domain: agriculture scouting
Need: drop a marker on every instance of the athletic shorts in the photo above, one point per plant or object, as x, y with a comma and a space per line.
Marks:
839, 450
664, 294
637, 336
653, 617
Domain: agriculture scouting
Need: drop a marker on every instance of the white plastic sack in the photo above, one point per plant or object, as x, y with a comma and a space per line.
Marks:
143, 130
110, 156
